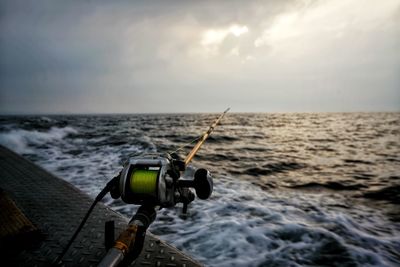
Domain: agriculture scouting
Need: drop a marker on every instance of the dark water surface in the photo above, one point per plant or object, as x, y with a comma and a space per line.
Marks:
290, 189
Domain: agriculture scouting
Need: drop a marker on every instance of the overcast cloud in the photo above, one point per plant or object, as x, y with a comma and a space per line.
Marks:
200, 56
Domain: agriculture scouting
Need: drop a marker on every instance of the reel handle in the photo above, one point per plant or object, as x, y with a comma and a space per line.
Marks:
186, 197
202, 183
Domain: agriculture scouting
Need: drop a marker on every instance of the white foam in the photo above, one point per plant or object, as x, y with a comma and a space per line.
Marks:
243, 225
19, 139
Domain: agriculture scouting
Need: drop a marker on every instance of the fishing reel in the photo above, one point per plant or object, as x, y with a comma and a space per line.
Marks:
155, 180
152, 181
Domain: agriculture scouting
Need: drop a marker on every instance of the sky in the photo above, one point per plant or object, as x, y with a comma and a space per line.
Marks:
199, 56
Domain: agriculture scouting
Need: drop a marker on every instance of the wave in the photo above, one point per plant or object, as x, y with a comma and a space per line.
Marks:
271, 168
357, 161
328, 185
390, 193
21, 140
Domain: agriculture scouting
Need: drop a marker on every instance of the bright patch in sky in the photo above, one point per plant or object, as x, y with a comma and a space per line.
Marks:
238, 30
217, 36
323, 21
283, 27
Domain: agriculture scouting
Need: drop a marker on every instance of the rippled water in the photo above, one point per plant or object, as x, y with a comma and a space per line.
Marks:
290, 189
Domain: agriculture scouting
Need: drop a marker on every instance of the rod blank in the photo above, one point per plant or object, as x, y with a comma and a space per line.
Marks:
196, 148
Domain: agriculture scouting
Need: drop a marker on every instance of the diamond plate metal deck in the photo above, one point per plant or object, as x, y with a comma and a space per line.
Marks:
56, 208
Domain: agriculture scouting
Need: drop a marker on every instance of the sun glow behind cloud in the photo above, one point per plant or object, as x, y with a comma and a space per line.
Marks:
213, 38
238, 30
217, 36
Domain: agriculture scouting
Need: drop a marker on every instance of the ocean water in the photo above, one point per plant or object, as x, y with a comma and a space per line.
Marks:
315, 189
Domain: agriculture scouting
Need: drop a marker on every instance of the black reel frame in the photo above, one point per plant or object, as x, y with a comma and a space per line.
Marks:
170, 189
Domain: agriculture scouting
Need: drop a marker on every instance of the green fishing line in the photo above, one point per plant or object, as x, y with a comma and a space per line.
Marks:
144, 181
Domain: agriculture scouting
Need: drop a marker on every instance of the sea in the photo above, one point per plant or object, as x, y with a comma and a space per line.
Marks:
290, 189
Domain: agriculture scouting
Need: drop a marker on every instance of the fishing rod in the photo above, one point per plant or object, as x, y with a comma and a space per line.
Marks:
196, 148
154, 182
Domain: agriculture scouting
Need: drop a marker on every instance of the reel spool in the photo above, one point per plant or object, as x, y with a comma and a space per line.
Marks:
144, 180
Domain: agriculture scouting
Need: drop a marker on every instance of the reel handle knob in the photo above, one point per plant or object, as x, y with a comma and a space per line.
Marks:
203, 183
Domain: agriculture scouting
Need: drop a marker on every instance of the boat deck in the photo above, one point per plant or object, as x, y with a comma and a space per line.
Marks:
56, 208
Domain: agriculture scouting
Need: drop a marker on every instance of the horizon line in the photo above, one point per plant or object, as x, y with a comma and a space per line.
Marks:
177, 113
